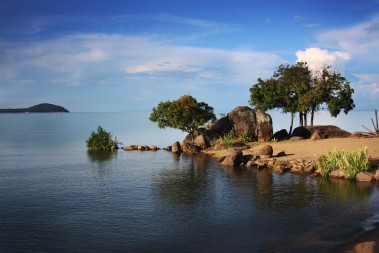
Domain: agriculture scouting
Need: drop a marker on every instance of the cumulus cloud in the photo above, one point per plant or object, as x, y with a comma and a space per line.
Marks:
317, 57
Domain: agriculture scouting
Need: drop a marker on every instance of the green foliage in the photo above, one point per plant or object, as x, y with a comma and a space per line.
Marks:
213, 142
185, 114
352, 163
228, 139
245, 137
102, 140
294, 88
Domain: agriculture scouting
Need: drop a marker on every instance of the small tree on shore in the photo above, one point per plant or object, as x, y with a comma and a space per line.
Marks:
185, 114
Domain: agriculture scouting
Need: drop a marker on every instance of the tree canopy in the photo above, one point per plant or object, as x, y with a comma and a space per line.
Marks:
294, 88
185, 114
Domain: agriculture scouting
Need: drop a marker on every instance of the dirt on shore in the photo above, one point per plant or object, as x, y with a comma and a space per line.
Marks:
311, 150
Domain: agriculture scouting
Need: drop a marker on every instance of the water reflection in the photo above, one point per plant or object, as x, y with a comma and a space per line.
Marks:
185, 182
345, 190
101, 164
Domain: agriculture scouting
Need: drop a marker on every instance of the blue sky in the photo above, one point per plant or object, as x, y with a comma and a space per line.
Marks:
109, 56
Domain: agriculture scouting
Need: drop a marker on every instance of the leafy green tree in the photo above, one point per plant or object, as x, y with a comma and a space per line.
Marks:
294, 88
102, 140
185, 114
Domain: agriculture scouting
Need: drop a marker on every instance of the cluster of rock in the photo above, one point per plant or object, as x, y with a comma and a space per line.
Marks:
141, 148
242, 119
311, 132
263, 159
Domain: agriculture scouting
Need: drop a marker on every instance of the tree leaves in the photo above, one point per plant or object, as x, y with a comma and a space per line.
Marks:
185, 114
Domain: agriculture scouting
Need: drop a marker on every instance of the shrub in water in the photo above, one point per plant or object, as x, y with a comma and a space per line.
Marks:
352, 163
102, 140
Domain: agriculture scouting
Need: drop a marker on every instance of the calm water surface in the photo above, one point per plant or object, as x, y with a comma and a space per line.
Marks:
57, 197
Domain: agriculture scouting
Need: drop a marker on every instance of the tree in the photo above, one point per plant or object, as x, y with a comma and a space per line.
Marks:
185, 114
102, 140
294, 88
282, 90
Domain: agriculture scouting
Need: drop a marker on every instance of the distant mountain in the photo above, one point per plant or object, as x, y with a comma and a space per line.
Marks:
44, 107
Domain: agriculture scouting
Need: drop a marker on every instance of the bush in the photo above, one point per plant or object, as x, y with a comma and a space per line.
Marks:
102, 140
352, 163
228, 138
246, 137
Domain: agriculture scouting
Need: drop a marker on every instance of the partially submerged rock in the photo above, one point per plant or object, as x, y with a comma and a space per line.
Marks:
233, 158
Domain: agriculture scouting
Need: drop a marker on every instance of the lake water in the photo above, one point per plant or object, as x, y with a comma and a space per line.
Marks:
57, 197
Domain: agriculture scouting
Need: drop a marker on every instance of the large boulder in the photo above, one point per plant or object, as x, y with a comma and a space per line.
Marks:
281, 135
302, 132
264, 125
176, 148
329, 131
233, 158
244, 120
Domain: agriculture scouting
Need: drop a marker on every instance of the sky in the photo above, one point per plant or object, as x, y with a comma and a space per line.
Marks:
120, 55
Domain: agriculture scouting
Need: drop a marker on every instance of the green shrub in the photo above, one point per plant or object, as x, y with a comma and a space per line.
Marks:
102, 140
245, 137
228, 139
213, 142
352, 163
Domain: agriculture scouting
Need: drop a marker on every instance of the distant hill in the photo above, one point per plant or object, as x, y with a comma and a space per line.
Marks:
44, 107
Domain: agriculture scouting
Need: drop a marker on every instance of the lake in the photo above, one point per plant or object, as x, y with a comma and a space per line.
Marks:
57, 197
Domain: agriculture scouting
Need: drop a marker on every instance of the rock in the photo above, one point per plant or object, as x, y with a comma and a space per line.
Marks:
310, 169
365, 177
264, 126
154, 148
279, 168
376, 175
188, 147
168, 148
244, 120
219, 128
140, 148
302, 132
316, 136
176, 148
128, 148
281, 153
296, 138
338, 173
281, 135
329, 131
297, 169
250, 163
233, 158
265, 151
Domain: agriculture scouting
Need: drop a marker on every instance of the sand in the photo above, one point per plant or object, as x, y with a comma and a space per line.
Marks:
308, 149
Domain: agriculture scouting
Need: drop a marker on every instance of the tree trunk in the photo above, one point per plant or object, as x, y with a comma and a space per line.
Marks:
305, 119
301, 122
292, 117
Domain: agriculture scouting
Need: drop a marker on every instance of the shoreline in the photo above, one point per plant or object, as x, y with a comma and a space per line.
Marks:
363, 242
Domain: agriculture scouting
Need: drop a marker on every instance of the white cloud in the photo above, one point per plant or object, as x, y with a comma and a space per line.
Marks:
134, 65
361, 41
317, 57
